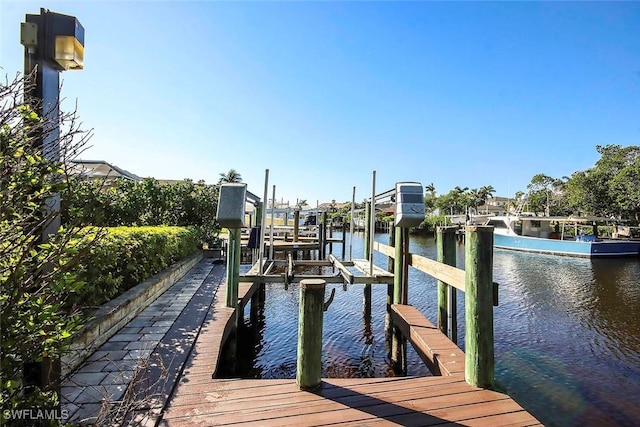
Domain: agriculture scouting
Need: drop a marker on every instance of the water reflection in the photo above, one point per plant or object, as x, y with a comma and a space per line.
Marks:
566, 340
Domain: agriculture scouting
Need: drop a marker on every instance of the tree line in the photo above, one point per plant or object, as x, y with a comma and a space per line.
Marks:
611, 189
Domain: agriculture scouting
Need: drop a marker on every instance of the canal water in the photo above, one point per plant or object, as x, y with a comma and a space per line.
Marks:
567, 333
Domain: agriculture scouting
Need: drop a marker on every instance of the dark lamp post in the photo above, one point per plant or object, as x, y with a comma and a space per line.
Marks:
53, 43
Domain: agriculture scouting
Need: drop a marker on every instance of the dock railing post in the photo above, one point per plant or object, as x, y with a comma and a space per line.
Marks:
447, 313
296, 225
398, 342
231, 256
367, 291
479, 352
388, 324
324, 234
331, 237
236, 274
405, 265
310, 320
344, 240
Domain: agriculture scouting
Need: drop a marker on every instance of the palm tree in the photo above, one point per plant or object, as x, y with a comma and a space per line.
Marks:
430, 197
431, 189
231, 176
485, 192
476, 198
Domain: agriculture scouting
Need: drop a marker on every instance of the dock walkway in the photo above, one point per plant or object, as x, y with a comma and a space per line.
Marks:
185, 353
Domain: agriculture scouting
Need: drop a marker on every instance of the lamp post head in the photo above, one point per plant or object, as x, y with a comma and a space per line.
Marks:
59, 39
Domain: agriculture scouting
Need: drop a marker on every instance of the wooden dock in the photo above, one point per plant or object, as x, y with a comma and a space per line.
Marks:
446, 399
414, 401
459, 392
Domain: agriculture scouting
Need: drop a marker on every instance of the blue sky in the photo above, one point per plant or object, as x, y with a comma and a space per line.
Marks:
323, 93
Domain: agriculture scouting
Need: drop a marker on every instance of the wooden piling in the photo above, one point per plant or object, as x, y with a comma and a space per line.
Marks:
367, 253
405, 265
331, 237
400, 265
296, 225
344, 240
236, 275
231, 255
447, 295
479, 352
323, 228
310, 320
388, 323
366, 300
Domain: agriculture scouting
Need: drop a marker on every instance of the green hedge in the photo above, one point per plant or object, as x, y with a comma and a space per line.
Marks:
126, 256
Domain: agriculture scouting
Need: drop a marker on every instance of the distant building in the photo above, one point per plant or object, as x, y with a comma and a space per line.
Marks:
99, 169
495, 206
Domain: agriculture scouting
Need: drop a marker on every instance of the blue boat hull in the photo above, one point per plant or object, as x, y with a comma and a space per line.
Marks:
588, 249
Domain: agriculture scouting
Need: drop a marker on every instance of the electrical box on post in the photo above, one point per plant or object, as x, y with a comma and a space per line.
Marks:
409, 204
231, 204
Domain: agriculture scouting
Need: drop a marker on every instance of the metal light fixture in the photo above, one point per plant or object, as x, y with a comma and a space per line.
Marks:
69, 53
56, 38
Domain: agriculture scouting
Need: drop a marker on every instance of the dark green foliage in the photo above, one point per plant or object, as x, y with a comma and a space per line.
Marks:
455, 201
611, 187
430, 224
123, 202
126, 256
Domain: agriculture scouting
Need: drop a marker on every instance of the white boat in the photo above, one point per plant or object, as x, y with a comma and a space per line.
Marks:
548, 235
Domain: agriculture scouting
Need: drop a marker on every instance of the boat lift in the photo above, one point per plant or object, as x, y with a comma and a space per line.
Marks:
352, 271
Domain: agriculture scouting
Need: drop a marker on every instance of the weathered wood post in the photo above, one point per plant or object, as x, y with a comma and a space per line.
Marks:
479, 354
236, 264
255, 300
366, 300
447, 315
405, 265
325, 219
399, 342
296, 225
397, 266
388, 323
331, 237
344, 240
309, 367
401, 266
231, 255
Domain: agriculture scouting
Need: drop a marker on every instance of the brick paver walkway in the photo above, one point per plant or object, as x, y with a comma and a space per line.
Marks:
137, 368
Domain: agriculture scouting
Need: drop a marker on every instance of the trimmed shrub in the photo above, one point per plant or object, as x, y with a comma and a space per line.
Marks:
126, 256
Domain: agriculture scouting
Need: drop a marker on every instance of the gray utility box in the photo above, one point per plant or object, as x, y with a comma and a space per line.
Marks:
409, 204
231, 205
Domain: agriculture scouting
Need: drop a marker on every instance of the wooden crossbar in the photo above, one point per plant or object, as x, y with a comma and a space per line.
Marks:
450, 275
